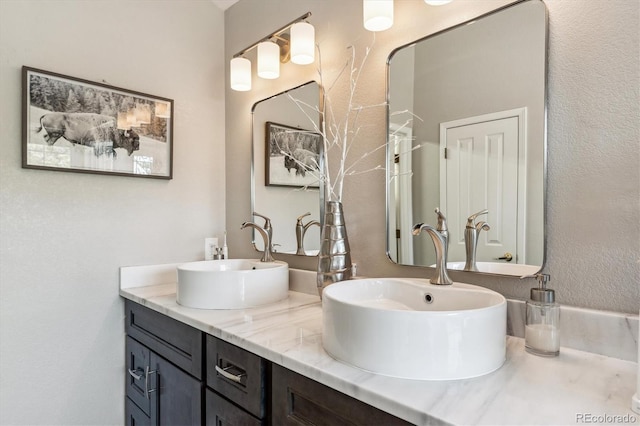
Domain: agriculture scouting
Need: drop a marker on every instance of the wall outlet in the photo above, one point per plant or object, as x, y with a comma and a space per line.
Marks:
210, 245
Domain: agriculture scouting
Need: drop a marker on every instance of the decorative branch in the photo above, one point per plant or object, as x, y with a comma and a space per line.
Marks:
341, 133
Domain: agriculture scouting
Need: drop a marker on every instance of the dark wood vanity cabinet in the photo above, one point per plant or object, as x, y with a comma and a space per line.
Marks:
164, 369
298, 400
178, 375
172, 379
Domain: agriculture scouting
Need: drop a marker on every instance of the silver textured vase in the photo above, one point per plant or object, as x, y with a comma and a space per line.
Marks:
334, 257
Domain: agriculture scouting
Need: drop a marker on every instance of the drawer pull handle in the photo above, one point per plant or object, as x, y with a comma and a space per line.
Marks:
224, 373
136, 374
147, 391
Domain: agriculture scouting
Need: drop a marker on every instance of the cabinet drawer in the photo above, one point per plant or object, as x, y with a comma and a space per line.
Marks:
177, 342
240, 375
297, 400
221, 412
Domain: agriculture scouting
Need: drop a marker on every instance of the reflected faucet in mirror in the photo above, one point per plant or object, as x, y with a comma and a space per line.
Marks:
301, 230
266, 232
440, 237
471, 233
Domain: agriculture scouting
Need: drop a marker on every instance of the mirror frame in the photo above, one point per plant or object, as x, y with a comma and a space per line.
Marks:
545, 132
253, 156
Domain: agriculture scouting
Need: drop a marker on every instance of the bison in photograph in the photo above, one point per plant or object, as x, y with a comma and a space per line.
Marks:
302, 160
88, 129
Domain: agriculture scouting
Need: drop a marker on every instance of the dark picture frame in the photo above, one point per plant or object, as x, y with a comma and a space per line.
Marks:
75, 125
292, 156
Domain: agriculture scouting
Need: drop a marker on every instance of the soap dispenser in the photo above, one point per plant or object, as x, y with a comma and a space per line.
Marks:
542, 327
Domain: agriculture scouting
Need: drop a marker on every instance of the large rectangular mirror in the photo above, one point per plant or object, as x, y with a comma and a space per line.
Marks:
467, 132
281, 189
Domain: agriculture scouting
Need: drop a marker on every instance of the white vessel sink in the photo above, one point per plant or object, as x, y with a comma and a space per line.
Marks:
231, 283
502, 268
412, 329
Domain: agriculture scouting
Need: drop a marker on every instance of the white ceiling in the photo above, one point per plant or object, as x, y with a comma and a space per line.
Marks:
224, 4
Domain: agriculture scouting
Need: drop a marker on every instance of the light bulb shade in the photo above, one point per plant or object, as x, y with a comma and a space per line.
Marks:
268, 60
123, 122
131, 119
142, 114
437, 2
303, 41
377, 14
240, 74
162, 110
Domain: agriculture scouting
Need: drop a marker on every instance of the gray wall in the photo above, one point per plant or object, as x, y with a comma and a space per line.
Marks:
593, 230
63, 236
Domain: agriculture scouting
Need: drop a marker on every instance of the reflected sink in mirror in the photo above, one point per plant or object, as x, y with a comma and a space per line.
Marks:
409, 328
231, 283
497, 268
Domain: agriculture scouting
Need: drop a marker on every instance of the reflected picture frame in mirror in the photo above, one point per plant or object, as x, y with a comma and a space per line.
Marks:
293, 205
467, 132
292, 156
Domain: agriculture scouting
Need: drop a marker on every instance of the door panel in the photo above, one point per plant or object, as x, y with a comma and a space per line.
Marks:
178, 395
482, 173
138, 359
134, 416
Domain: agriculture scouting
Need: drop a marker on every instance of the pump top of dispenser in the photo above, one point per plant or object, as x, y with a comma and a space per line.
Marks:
542, 294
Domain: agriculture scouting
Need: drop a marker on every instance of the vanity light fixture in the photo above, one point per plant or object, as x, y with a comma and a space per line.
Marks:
377, 14
240, 74
278, 47
303, 43
268, 60
437, 2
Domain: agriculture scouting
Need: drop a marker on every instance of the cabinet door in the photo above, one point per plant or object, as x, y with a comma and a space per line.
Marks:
221, 412
137, 364
297, 400
134, 415
177, 396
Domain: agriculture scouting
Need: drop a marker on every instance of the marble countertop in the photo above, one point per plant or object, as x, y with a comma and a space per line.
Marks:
575, 388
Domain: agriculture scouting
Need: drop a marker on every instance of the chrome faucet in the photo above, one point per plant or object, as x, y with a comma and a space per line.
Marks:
301, 230
266, 232
471, 232
440, 237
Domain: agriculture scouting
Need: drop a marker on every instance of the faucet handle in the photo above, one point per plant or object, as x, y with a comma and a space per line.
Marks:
472, 218
442, 221
299, 219
267, 221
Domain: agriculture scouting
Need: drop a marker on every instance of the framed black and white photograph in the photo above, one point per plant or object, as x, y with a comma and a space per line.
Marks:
292, 156
75, 125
